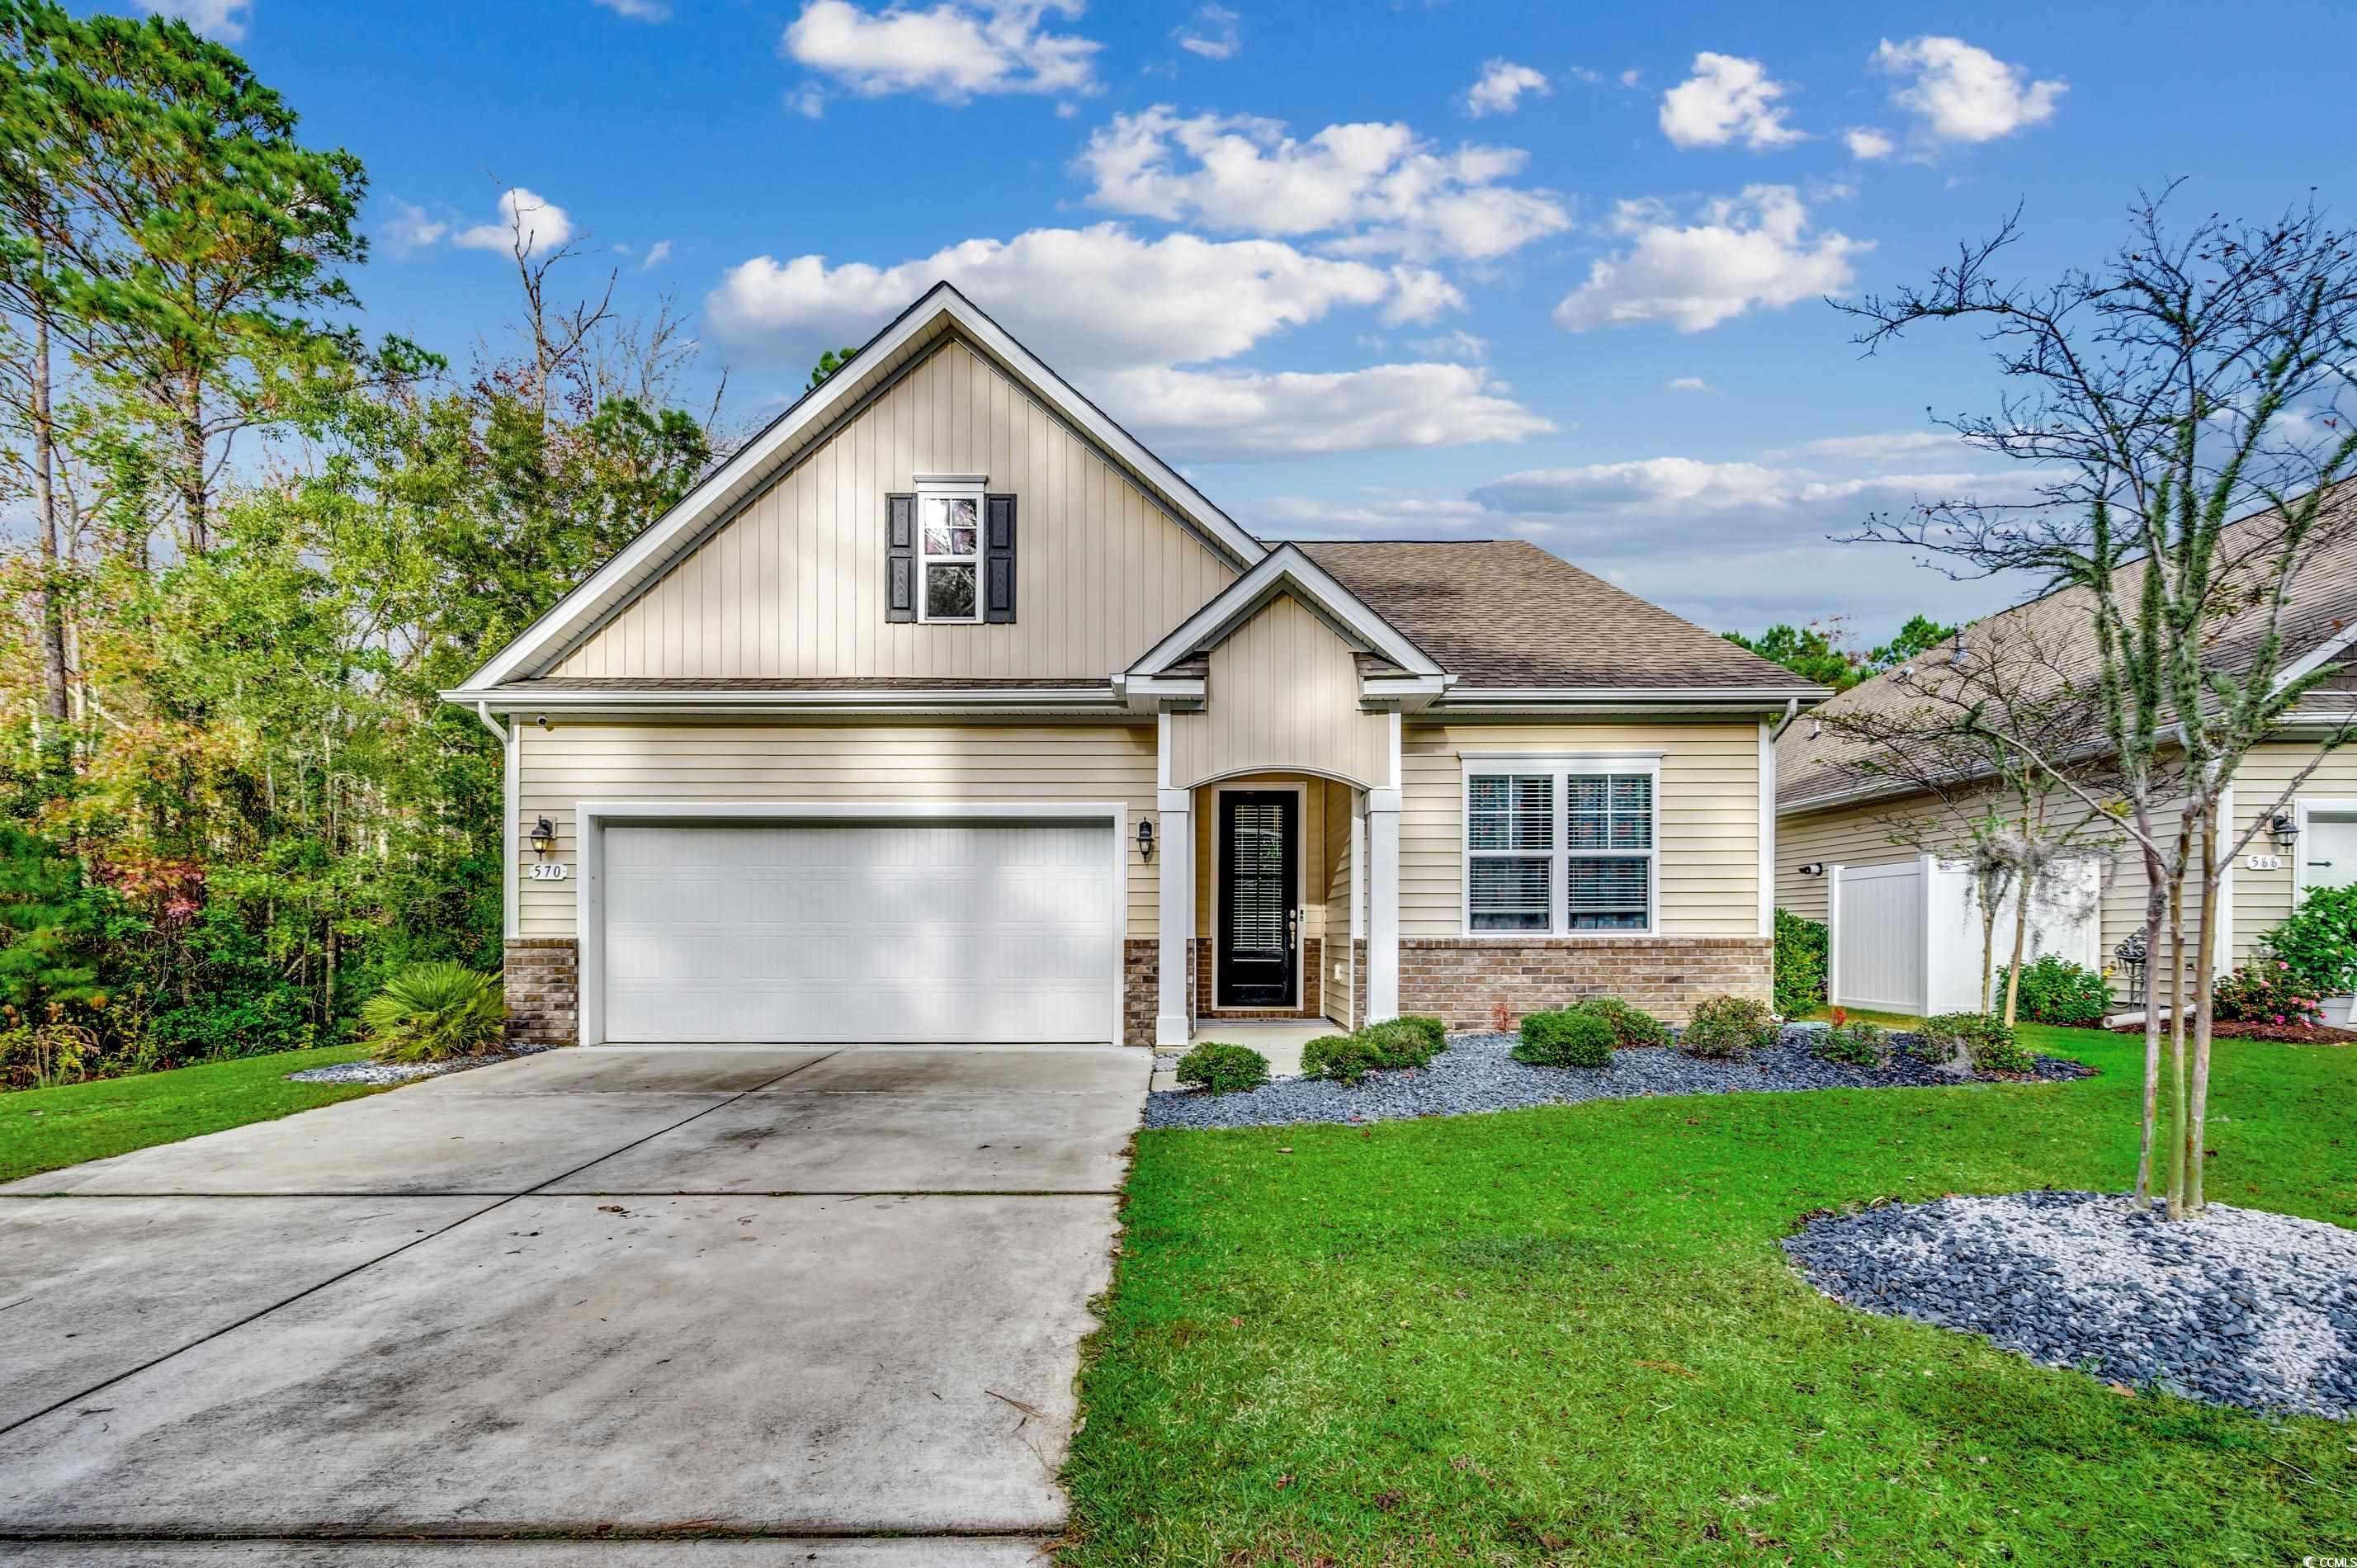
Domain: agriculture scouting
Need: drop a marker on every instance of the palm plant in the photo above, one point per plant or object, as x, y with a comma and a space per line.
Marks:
432, 1012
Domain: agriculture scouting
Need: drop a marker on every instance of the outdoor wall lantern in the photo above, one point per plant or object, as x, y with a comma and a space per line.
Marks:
1144, 838
543, 837
1812, 868
2285, 827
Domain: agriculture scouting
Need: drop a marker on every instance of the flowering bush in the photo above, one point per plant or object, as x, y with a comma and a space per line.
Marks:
2056, 991
2265, 990
2320, 940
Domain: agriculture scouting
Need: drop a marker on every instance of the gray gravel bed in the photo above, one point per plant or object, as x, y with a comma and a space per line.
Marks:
367, 1071
2238, 1307
1477, 1072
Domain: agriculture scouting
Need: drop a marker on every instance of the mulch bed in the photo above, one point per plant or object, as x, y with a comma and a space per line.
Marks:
2284, 1033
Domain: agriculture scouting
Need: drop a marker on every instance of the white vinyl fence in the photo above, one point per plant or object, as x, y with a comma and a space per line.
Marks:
1906, 936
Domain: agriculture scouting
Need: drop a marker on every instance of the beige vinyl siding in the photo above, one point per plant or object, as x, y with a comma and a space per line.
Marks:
1314, 872
1283, 694
571, 763
1707, 818
794, 586
2263, 899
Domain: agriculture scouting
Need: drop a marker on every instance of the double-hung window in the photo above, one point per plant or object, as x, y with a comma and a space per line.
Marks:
949, 553
1560, 846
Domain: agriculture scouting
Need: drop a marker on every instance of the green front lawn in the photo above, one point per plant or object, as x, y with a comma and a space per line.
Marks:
42, 1129
1567, 1336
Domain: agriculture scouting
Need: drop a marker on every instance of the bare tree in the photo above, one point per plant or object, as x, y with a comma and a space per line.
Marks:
2182, 408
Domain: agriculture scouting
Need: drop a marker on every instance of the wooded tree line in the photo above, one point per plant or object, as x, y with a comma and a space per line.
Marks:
247, 547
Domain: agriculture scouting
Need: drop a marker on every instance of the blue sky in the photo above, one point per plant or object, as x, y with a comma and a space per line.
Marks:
1435, 270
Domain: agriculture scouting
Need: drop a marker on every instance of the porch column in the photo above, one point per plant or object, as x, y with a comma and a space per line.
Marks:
1172, 1021
1383, 905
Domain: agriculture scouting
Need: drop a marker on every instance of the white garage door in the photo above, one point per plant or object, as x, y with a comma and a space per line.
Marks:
994, 933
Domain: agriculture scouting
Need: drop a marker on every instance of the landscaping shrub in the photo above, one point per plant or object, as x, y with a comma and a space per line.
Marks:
2320, 941
1728, 1026
2056, 991
2265, 990
1399, 1043
1801, 948
1435, 1032
1631, 1026
430, 1012
1345, 1058
1223, 1069
1569, 1038
1986, 1042
1855, 1045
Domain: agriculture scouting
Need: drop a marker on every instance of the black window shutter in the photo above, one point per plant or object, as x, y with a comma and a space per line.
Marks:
900, 558
999, 558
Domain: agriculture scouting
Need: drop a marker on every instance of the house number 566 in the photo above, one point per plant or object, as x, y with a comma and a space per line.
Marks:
548, 871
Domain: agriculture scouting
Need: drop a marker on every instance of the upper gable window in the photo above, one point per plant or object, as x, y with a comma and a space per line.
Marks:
949, 553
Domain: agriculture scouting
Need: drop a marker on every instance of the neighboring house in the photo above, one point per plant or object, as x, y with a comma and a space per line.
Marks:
1833, 810
944, 711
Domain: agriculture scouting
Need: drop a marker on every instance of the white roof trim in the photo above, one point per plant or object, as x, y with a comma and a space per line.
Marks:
642, 562
2340, 642
1286, 569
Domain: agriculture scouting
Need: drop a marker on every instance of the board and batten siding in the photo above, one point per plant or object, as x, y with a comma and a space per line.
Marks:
790, 763
1282, 693
1707, 818
794, 586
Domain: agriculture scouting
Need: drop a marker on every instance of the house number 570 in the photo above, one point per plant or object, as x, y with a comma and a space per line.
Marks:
548, 871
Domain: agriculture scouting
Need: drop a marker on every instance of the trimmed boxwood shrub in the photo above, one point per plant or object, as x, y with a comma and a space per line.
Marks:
1569, 1038
1345, 1058
1986, 1043
1729, 1027
1223, 1069
1801, 947
1631, 1026
2056, 991
1855, 1045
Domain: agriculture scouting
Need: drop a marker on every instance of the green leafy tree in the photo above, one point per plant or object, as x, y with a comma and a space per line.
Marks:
828, 363
1821, 652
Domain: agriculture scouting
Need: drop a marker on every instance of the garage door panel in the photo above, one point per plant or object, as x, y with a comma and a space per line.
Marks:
887, 932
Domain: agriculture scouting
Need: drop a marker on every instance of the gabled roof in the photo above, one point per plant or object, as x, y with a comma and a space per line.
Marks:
942, 312
1286, 570
2049, 644
1502, 615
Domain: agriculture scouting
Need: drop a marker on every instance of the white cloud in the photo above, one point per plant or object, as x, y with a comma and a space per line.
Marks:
1632, 79
1865, 142
1418, 295
808, 101
657, 254
952, 50
1375, 186
1501, 86
1211, 33
222, 19
1375, 511
1750, 252
638, 10
406, 228
1965, 94
1880, 447
1460, 346
542, 225
1728, 98
1088, 300
1689, 383
1246, 416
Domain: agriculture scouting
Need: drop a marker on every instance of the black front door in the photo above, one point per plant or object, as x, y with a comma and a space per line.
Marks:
1260, 905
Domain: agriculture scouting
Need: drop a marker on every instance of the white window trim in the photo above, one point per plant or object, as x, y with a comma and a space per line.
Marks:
951, 486
1561, 764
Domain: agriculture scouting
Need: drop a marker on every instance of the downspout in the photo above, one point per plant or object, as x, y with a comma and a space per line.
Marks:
1791, 712
511, 791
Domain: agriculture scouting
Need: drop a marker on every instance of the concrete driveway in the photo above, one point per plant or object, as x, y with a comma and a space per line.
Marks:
792, 1295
